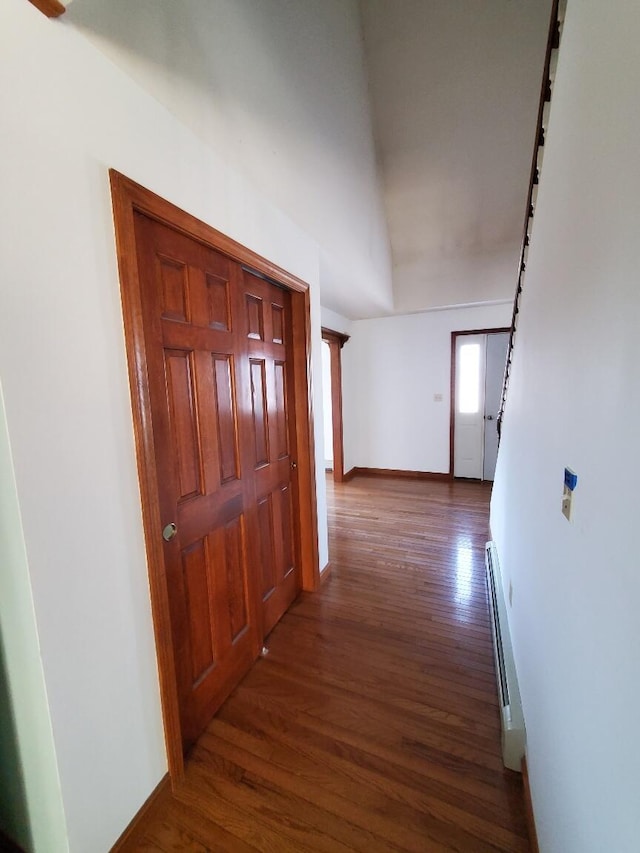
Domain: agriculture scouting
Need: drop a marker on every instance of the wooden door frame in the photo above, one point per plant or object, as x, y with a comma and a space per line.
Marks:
128, 198
336, 341
452, 396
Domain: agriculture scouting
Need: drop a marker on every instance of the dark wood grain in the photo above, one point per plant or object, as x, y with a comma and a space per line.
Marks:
373, 723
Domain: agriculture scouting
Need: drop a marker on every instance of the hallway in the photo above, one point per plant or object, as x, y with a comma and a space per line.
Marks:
373, 723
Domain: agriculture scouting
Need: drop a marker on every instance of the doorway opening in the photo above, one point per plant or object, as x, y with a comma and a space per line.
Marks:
478, 360
327, 408
332, 343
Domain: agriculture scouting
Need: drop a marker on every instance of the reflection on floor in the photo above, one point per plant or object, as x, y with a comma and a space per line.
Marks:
373, 723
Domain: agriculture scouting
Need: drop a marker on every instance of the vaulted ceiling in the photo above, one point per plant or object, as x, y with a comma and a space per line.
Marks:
358, 118
455, 87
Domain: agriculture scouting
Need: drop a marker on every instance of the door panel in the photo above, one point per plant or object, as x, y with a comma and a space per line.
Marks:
237, 604
195, 348
173, 276
259, 411
281, 444
255, 317
219, 304
178, 365
267, 546
286, 526
225, 413
277, 320
199, 601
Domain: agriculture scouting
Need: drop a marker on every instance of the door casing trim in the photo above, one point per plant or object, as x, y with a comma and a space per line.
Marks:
128, 198
336, 340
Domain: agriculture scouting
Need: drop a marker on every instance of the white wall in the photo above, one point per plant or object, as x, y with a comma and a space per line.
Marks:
335, 322
392, 368
68, 115
574, 400
278, 89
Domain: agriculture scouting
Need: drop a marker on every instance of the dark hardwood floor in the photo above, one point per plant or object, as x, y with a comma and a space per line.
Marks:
373, 723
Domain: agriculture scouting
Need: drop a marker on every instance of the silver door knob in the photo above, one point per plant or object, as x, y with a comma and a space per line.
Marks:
489, 417
169, 531
294, 465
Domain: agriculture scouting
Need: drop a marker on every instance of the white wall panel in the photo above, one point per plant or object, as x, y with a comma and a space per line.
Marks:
574, 400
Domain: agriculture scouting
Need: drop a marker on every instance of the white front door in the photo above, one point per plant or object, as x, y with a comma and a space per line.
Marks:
469, 406
480, 361
496, 356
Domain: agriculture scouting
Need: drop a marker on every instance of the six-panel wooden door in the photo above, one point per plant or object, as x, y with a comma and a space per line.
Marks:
216, 347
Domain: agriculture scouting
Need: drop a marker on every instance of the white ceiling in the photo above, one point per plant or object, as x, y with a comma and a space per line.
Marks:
455, 86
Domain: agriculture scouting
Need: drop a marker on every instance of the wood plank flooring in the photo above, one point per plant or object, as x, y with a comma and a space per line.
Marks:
373, 723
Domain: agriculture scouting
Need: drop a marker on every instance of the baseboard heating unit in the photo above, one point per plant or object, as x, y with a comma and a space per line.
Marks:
513, 733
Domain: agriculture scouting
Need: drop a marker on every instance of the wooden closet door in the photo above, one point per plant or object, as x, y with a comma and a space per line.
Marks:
267, 327
195, 336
